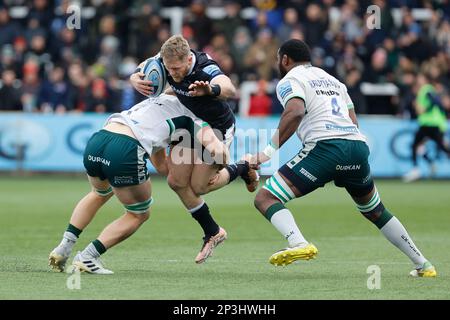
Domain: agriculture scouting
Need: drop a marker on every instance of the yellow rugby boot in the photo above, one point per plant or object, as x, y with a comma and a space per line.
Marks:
427, 271
289, 255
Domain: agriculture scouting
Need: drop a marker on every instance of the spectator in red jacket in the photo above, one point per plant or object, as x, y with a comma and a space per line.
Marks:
260, 103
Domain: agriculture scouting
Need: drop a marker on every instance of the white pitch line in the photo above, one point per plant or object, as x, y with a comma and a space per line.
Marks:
346, 262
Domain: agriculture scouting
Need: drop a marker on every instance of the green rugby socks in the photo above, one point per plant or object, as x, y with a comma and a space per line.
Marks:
74, 230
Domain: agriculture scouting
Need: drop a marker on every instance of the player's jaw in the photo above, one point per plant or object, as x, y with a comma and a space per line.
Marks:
281, 69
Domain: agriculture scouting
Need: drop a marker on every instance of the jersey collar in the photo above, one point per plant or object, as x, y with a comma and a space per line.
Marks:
194, 60
305, 65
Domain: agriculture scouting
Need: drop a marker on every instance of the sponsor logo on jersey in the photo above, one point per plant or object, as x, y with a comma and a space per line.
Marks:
284, 89
327, 92
182, 92
340, 128
324, 83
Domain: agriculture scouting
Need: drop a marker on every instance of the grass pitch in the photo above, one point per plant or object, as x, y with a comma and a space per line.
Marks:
158, 261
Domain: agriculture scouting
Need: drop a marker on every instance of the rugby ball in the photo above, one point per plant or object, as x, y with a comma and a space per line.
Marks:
156, 73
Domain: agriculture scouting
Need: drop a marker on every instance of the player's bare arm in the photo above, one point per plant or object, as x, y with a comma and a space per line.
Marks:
352, 115
220, 86
289, 122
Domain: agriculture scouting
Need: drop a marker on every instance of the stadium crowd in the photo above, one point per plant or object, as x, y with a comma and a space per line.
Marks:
47, 67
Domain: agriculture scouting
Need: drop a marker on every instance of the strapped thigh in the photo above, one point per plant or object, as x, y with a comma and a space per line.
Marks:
104, 193
279, 188
375, 211
370, 206
140, 207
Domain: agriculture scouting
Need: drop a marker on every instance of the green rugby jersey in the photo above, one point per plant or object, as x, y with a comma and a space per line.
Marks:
432, 115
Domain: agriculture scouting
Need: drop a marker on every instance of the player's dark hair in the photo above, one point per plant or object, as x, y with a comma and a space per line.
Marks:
297, 50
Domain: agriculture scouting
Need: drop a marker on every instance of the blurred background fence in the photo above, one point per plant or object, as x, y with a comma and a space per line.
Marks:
64, 81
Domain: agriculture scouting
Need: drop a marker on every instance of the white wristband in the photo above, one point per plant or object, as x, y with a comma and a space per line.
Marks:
269, 150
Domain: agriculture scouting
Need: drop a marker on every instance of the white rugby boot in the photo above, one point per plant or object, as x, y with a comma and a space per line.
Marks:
89, 265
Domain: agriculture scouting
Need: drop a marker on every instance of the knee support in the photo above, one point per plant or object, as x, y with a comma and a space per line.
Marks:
375, 211
140, 207
104, 193
278, 187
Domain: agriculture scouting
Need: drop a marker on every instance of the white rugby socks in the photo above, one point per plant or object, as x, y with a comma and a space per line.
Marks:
66, 244
284, 222
396, 233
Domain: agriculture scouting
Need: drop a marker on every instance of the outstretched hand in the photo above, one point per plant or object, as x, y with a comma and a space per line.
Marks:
200, 88
256, 160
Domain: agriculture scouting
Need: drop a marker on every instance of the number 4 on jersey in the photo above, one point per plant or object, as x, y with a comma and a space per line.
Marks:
335, 108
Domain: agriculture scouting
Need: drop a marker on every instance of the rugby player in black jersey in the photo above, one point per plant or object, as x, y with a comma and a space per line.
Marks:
202, 87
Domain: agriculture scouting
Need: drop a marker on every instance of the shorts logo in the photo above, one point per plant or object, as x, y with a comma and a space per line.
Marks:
123, 180
305, 172
99, 159
366, 179
349, 167
284, 89
294, 161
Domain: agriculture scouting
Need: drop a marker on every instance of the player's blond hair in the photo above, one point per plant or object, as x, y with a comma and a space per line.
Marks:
175, 47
